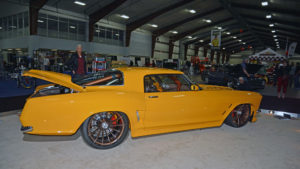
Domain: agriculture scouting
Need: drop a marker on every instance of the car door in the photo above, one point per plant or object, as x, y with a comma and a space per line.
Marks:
169, 104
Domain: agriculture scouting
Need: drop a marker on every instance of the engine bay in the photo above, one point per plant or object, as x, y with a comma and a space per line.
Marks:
52, 90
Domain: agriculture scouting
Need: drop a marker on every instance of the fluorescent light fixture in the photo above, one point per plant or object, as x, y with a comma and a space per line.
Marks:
271, 25
40, 21
234, 37
269, 16
79, 3
219, 28
201, 40
124, 16
224, 48
275, 36
0, 27
228, 33
72, 27
190, 37
192, 11
154, 25
117, 34
273, 31
97, 30
244, 43
264, 3
275, 39
240, 40
175, 32
206, 20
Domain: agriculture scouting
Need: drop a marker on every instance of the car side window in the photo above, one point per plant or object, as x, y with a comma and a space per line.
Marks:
166, 83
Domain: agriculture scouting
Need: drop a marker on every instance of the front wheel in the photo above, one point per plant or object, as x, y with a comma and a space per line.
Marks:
105, 130
239, 116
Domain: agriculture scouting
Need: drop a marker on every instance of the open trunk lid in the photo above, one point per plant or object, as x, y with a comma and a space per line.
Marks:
54, 77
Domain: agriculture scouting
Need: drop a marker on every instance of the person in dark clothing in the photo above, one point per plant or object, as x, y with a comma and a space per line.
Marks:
77, 63
245, 73
282, 74
153, 63
242, 85
297, 76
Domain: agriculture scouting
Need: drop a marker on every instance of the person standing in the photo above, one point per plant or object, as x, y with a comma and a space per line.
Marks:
245, 73
77, 63
292, 74
282, 79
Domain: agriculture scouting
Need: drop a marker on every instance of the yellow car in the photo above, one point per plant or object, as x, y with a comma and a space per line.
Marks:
106, 105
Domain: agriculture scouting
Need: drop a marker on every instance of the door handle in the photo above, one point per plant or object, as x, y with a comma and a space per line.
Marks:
151, 97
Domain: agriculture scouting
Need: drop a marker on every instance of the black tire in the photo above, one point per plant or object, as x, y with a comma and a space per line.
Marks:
239, 116
101, 131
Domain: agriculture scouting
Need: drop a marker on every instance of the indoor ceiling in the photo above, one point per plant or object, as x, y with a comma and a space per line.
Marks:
163, 17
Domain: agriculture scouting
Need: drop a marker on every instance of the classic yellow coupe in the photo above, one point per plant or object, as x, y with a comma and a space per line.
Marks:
106, 105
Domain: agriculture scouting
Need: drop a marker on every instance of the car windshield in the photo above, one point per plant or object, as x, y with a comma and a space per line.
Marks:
102, 78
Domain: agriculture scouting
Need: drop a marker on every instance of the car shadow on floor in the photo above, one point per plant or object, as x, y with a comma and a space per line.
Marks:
42, 138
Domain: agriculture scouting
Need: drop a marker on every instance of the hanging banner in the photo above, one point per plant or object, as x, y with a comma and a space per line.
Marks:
215, 39
292, 49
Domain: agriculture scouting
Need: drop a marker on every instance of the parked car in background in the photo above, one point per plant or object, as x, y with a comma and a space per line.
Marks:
229, 76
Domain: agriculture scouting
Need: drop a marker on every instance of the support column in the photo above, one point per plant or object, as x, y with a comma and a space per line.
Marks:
223, 57
186, 47
153, 45
212, 53
171, 47
34, 7
227, 57
196, 50
218, 57
204, 51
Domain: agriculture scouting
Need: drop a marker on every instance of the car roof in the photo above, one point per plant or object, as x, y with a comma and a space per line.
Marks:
148, 70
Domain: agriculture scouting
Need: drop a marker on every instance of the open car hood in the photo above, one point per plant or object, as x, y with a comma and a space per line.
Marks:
54, 77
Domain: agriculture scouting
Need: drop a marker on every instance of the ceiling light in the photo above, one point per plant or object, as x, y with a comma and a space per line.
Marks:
0, 27
117, 34
97, 30
273, 31
240, 40
271, 25
275, 36
264, 3
228, 33
275, 39
175, 32
234, 37
192, 11
278, 47
190, 37
154, 25
244, 43
219, 28
201, 40
79, 3
124, 16
207, 20
224, 48
40, 21
72, 27
269, 16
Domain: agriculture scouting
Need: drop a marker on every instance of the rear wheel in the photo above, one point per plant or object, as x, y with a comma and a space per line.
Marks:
239, 116
105, 130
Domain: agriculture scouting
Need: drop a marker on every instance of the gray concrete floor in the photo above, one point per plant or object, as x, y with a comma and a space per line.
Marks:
269, 143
